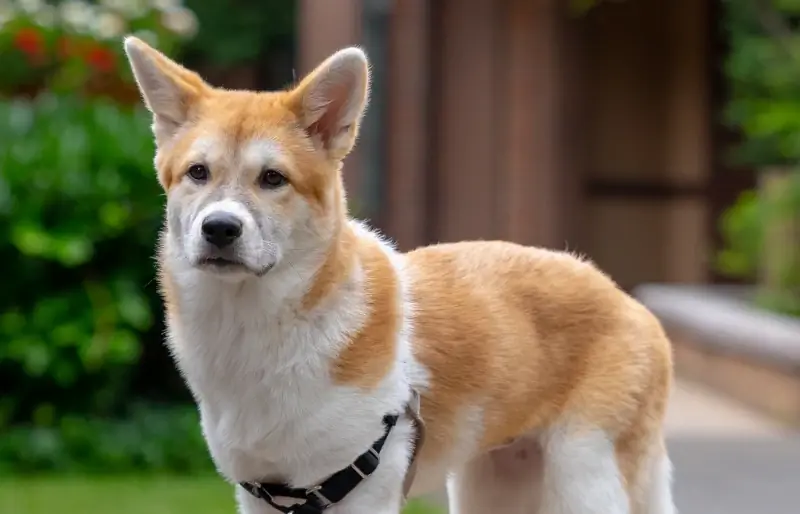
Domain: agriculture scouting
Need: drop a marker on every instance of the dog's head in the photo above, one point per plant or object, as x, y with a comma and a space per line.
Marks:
252, 178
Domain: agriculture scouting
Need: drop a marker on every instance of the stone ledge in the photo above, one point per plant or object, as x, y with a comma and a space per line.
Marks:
722, 340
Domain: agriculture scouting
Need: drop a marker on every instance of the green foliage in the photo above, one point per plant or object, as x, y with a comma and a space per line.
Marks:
780, 263
756, 247
763, 74
161, 440
741, 227
79, 213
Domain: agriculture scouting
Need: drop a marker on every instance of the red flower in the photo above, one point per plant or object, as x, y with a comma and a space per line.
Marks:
31, 42
66, 48
101, 59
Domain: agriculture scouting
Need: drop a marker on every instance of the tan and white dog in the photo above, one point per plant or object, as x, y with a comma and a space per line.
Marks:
543, 385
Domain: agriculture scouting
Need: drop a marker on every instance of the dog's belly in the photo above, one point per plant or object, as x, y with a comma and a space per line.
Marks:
508, 478
520, 460
511, 467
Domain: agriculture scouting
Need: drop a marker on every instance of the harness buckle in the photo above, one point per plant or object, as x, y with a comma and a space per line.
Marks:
253, 488
372, 460
319, 496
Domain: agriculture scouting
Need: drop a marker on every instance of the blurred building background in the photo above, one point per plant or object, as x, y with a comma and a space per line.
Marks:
601, 131
660, 138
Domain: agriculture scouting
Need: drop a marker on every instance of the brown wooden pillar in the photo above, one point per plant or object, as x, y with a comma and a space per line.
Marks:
689, 144
574, 95
466, 131
533, 198
323, 28
408, 125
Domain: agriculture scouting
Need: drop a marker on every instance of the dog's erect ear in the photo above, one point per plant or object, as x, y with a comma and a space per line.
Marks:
169, 90
331, 100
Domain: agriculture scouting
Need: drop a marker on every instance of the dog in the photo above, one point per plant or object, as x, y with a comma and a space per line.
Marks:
334, 373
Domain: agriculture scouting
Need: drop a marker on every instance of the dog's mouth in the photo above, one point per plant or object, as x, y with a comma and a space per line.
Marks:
222, 264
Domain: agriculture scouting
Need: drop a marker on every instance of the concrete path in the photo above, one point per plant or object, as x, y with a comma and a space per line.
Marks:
727, 459
698, 412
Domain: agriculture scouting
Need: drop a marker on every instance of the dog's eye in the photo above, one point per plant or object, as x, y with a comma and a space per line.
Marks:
198, 173
271, 179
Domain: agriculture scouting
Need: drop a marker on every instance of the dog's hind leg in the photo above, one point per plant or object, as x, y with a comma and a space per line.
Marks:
581, 474
506, 480
649, 482
659, 491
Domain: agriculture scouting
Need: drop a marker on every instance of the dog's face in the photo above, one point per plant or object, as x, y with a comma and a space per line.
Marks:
252, 179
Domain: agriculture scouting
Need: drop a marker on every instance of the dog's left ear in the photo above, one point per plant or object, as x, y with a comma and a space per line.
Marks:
331, 101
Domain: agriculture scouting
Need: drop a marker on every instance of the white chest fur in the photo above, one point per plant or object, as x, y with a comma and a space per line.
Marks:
260, 374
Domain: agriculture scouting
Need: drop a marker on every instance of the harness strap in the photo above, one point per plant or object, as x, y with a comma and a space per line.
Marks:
413, 412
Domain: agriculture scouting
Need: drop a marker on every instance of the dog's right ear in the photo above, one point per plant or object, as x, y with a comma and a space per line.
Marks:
169, 90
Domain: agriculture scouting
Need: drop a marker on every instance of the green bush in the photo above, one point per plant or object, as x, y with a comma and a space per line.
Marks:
79, 214
752, 249
763, 75
80, 319
741, 227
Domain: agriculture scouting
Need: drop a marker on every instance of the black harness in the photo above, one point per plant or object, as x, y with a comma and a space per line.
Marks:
320, 497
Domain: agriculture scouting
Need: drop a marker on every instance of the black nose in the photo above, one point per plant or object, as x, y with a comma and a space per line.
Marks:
221, 229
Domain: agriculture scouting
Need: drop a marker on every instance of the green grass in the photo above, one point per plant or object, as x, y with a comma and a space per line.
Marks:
168, 495
137, 495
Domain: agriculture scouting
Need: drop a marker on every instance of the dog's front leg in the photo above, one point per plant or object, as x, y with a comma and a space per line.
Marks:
381, 493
